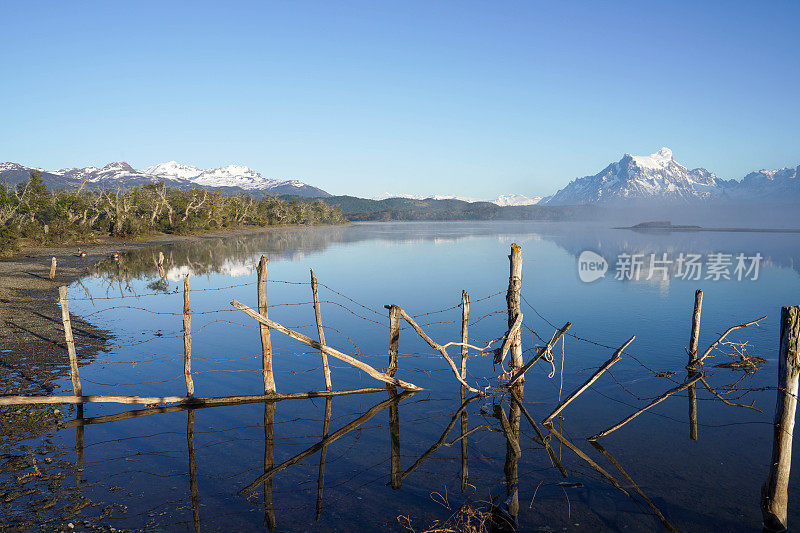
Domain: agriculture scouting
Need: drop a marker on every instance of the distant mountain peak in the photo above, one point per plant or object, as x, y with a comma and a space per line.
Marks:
121, 165
660, 159
635, 178
658, 178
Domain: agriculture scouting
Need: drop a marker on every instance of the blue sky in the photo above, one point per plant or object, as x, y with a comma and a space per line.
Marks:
468, 98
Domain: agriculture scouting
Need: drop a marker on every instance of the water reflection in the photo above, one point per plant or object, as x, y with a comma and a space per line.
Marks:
507, 468
236, 257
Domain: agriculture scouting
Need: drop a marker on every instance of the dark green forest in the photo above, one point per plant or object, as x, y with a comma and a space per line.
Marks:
361, 209
31, 213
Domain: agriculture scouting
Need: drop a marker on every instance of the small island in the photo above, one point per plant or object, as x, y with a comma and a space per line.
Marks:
667, 226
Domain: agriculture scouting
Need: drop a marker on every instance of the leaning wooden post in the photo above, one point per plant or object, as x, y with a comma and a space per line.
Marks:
775, 492
52, 268
187, 340
693, 343
464, 332
266, 341
394, 339
70, 340
326, 370
513, 299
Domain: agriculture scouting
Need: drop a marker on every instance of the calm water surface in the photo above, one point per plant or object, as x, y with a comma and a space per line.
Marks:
143, 464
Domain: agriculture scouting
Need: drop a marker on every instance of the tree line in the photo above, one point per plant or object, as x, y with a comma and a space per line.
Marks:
31, 212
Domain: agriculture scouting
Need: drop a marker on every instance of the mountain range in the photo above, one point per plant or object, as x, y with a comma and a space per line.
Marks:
656, 179
659, 179
502, 200
231, 178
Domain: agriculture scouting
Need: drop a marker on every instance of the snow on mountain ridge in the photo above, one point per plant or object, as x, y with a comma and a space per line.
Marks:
502, 200
642, 179
172, 170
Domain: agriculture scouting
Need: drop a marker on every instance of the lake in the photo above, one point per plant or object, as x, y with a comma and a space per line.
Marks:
186, 469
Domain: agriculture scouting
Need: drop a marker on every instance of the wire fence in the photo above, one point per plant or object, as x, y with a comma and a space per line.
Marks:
120, 352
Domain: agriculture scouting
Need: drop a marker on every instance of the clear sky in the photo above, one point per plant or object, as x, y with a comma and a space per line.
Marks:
472, 98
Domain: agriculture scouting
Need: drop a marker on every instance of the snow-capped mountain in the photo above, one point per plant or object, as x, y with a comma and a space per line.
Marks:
782, 185
516, 199
636, 179
502, 200
173, 170
231, 178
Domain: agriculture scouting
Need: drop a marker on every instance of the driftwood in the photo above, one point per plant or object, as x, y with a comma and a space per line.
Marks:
438, 347
194, 401
327, 349
652, 506
725, 400
689, 382
775, 492
722, 337
326, 370
70, 340
588, 383
327, 440
508, 340
540, 352
266, 340
599, 469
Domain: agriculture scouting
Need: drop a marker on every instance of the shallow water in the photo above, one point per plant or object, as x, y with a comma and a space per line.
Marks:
143, 463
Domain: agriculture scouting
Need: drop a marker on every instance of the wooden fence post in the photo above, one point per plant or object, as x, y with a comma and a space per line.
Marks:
395, 477
193, 487
266, 341
161, 272
70, 340
695, 338
323, 454
52, 268
326, 370
775, 492
464, 332
394, 339
693, 343
269, 461
464, 421
513, 299
187, 340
